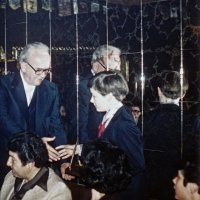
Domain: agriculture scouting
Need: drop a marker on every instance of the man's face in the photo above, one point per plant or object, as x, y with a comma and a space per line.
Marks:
36, 67
18, 170
112, 61
181, 191
100, 102
136, 113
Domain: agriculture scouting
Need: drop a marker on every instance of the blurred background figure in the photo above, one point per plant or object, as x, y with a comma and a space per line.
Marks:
30, 178
165, 140
63, 115
136, 109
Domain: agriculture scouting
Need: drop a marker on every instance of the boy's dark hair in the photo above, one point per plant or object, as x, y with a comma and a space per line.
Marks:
110, 82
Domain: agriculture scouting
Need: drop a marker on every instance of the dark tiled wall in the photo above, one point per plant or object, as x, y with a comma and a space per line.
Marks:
161, 40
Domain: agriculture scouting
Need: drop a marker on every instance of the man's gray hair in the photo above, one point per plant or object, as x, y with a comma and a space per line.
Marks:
100, 51
24, 55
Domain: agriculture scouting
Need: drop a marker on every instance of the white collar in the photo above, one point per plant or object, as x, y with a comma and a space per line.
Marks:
110, 113
27, 86
29, 89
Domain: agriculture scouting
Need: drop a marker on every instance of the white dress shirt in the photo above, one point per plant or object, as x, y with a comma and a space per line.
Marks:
110, 113
29, 89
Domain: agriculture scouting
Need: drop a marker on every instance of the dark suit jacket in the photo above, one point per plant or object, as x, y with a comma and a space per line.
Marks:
88, 117
123, 132
162, 143
13, 111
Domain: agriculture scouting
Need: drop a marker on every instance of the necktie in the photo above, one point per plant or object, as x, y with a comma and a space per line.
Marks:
101, 128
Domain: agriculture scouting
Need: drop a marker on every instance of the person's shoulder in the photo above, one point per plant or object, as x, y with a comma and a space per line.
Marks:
125, 113
54, 178
49, 84
9, 179
85, 78
55, 183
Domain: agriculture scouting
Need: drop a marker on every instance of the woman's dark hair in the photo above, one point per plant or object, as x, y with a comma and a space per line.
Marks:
106, 167
30, 148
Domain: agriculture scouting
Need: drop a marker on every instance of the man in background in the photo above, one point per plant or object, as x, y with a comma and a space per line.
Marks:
105, 57
166, 136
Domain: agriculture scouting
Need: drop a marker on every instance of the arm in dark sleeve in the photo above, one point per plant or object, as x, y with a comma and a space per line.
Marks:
56, 127
8, 113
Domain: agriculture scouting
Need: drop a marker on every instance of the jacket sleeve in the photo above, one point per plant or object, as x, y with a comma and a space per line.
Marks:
8, 125
54, 123
129, 139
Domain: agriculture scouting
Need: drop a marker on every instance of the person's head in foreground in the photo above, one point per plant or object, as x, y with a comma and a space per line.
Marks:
105, 167
187, 182
30, 178
27, 154
108, 88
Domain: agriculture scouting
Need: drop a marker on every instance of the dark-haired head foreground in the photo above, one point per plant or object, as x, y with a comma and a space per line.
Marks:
30, 178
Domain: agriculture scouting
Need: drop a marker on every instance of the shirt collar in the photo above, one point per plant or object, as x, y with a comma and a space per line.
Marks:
26, 85
110, 113
40, 179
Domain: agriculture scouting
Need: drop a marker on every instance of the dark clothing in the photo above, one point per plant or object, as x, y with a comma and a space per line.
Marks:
88, 118
163, 148
124, 133
41, 116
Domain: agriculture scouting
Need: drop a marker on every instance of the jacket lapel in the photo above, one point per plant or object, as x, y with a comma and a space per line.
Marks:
19, 95
42, 97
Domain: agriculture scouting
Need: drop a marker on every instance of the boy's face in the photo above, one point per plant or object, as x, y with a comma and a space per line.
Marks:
181, 192
101, 103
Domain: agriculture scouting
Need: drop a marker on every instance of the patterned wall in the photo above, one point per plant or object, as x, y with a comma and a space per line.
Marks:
161, 34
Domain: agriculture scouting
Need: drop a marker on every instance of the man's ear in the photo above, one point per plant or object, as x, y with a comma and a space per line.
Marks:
31, 165
192, 187
23, 66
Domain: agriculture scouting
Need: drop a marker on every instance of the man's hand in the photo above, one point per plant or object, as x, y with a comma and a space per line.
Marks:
66, 151
63, 168
53, 154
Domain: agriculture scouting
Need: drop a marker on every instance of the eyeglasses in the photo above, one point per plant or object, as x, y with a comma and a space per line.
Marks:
136, 111
102, 65
39, 71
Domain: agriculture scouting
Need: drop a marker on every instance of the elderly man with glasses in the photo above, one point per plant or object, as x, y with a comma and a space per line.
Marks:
29, 102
